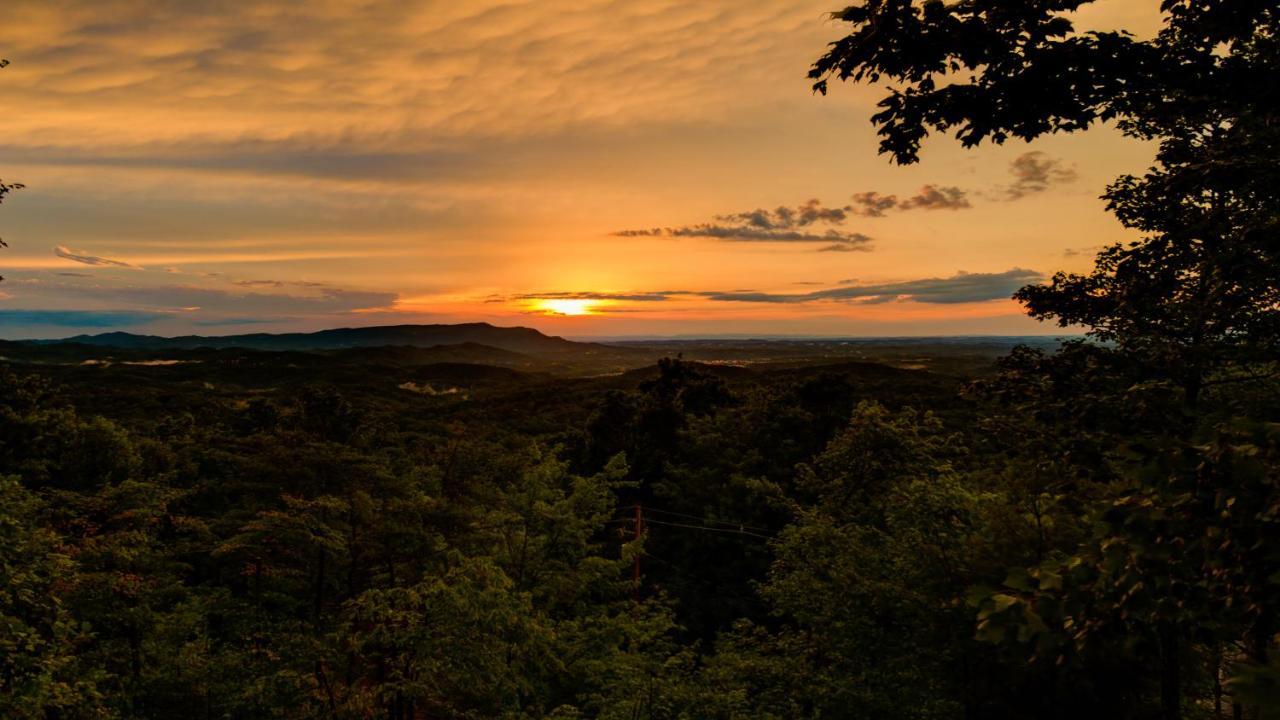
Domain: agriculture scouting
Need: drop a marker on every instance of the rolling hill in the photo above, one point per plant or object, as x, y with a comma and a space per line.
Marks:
512, 339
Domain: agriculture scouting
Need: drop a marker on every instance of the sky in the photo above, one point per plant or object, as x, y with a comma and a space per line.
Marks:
593, 168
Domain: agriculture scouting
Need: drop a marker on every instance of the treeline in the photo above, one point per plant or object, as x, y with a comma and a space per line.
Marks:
1052, 545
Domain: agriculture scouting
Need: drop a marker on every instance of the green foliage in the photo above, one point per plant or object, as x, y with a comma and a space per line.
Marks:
40, 639
241, 557
991, 70
247, 555
1142, 437
1259, 685
869, 576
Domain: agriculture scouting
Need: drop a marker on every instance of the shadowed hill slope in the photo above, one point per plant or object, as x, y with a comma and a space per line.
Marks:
512, 339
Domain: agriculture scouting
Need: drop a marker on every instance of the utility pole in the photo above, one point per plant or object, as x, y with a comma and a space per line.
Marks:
635, 570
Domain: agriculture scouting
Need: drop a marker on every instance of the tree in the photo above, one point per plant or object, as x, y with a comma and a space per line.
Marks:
1198, 297
865, 589
39, 637
1194, 305
6, 188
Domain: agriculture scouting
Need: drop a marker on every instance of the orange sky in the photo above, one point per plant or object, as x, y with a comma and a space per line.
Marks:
228, 167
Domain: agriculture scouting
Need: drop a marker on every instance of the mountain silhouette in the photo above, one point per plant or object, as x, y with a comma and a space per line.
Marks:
512, 339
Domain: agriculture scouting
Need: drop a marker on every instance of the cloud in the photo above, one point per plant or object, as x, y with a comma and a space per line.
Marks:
78, 318
929, 197
173, 305
786, 218
484, 67
873, 204
64, 252
643, 232
784, 224
963, 287
1089, 250
934, 197
1034, 172
221, 322
248, 135
208, 303
344, 159
654, 296
737, 233
279, 283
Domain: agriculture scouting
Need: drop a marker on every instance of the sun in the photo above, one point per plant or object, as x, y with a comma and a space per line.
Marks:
565, 306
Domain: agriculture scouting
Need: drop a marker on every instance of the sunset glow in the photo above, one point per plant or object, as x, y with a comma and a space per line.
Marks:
304, 166
567, 307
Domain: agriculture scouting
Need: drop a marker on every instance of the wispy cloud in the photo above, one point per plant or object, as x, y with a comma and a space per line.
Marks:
845, 246
929, 197
272, 145
653, 296
934, 197
1089, 251
963, 287
230, 321
205, 302
1035, 172
873, 204
66, 253
785, 224
483, 67
79, 318
279, 283
787, 218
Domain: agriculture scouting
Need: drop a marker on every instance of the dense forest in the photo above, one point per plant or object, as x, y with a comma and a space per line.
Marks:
249, 535
1085, 530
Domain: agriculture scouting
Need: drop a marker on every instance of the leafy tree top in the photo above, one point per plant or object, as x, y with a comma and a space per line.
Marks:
989, 70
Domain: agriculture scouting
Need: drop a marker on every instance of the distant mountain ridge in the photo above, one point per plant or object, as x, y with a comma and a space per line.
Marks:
512, 339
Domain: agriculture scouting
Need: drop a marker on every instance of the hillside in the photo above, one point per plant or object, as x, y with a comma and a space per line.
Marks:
512, 339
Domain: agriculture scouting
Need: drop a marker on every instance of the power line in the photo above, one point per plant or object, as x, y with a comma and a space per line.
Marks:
651, 509
727, 531
640, 522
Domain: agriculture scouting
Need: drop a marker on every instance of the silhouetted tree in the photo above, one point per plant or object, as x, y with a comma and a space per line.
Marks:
6, 188
1194, 304
1200, 295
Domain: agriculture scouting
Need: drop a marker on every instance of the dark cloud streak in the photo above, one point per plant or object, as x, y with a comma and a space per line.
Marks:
934, 197
66, 253
873, 204
213, 301
79, 318
782, 225
929, 197
279, 283
962, 287
787, 218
